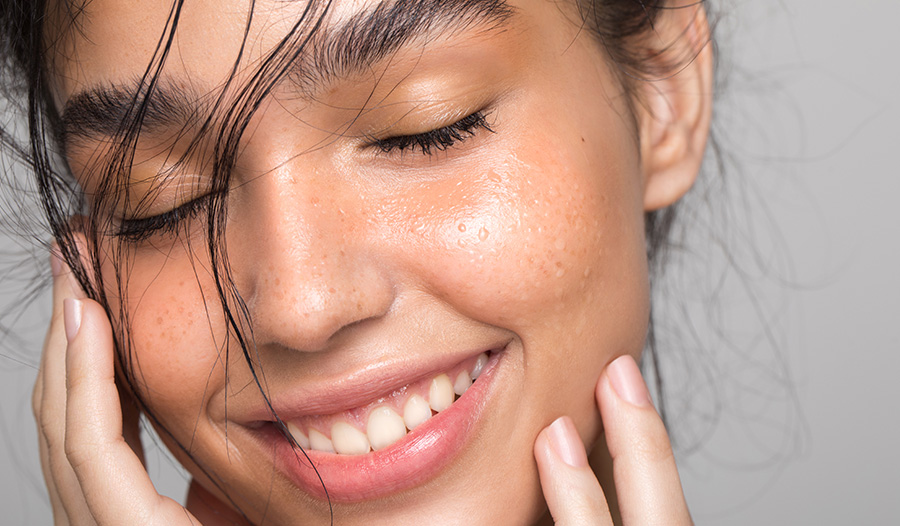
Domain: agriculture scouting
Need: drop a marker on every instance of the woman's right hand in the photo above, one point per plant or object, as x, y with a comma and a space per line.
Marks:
92, 463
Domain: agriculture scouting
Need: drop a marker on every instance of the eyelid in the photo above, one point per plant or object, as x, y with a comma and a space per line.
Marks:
439, 138
135, 230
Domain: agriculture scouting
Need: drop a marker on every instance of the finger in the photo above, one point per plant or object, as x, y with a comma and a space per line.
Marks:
60, 517
647, 483
570, 487
50, 404
55, 503
115, 485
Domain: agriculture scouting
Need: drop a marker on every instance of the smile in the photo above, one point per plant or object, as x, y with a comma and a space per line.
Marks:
389, 419
391, 442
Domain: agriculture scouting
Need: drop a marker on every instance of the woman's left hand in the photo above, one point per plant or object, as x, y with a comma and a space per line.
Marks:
647, 485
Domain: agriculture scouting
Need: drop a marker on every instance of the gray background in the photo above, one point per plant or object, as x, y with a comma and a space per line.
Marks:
791, 416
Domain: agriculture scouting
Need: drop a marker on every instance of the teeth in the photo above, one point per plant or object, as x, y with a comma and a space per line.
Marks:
320, 442
440, 394
462, 383
299, 436
415, 412
385, 427
479, 365
348, 440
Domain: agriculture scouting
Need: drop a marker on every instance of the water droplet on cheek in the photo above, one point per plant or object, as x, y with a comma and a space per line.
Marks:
483, 234
560, 244
462, 227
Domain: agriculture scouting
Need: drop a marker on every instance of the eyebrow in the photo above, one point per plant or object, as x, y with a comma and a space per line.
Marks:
350, 47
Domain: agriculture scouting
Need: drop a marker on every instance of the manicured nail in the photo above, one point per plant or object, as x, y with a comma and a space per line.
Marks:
566, 443
72, 313
627, 381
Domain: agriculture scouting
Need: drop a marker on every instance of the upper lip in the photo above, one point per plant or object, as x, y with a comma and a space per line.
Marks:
325, 396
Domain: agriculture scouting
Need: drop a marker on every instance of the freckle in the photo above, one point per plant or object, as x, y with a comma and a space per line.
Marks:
462, 227
277, 281
483, 234
159, 321
331, 290
560, 244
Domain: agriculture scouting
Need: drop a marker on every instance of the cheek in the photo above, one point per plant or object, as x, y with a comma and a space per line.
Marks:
536, 237
174, 335
547, 243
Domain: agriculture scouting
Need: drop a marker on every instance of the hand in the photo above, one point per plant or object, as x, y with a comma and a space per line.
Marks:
646, 479
92, 462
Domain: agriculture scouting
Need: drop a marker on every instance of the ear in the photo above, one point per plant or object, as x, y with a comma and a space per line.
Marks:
675, 110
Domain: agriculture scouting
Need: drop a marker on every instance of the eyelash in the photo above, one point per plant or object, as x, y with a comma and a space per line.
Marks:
439, 139
136, 230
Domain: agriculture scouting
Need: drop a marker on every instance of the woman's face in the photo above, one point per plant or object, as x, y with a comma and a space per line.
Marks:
377, 261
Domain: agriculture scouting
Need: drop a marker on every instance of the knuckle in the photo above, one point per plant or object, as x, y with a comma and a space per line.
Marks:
47, 427
76, 454
653, 447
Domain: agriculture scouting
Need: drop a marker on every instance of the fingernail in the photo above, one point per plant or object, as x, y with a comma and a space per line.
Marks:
72, 313
627, 381
566, 443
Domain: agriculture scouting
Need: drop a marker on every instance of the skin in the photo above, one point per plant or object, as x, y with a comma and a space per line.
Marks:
346, 257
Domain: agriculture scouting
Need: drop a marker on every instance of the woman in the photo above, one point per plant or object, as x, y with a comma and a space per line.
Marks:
367, 262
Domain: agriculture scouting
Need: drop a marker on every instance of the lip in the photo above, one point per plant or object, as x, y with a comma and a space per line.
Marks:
411, 461
327, 396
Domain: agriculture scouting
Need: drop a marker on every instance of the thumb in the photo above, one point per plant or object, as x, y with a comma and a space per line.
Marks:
570, 487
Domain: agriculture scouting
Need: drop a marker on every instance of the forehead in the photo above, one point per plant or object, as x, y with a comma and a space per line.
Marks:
113, 42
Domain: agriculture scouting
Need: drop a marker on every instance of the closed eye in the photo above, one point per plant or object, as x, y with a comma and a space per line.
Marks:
136, 230
435, 140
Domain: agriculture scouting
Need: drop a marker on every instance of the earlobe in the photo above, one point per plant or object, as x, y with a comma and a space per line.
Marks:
676, 110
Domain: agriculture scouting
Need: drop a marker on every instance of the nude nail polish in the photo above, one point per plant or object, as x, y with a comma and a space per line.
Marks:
627, 381
72, 312
566, 443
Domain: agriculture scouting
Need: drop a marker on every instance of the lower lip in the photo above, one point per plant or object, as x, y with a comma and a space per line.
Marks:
411, 461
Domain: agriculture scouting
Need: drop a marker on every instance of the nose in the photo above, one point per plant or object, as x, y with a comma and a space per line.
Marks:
310, 265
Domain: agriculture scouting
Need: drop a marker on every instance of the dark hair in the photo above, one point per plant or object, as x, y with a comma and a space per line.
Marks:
620, 27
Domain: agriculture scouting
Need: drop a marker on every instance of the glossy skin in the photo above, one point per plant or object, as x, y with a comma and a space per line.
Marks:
351, 258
